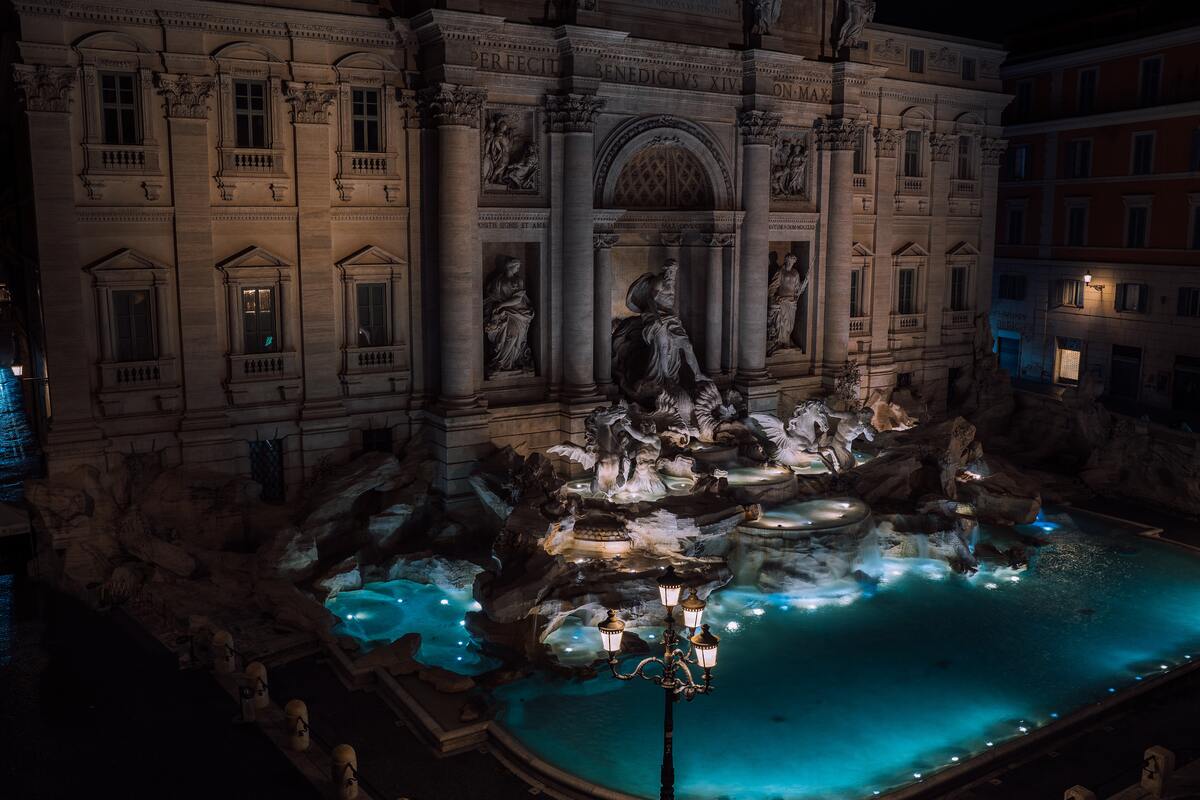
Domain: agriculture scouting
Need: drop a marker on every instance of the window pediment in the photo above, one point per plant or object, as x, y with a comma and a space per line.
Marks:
860, 250
256, 263
371, 261
128, 266
963, 251
911, 252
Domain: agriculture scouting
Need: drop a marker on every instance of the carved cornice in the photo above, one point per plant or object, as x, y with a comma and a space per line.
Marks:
836, 134
992, 150
605, 241
186, 95
310, 102
572, 113
758, 127
717, 239
451, 104
941, 146
45, 88
887, 141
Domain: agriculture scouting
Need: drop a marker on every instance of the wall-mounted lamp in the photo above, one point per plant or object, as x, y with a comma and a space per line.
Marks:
1087, 281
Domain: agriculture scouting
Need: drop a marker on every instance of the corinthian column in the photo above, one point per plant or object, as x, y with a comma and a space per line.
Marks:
574, 115
941, 150
837, 136
992, 151
758, 133
454, 111
602, 345
714, 300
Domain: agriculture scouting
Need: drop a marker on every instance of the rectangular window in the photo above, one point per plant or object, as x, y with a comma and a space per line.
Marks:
1024, 101
1079, 158
1018, 162
134, 325
1149, 79
1137, 220
1194, 159
118, 108
1012, 287
906, 291
1195, 211
860, 151
1086, 100
912, 154
856, 287
1077, 218
958, 289
916, 60
1133, 297
968, 69
377, 440
364, 119
1016, 225
258, 320
1189, 301
1143, 154
1070, 359
1067, 293
966, 159
250, 113
372, 314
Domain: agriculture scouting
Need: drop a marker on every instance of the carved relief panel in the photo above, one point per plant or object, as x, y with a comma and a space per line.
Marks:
510, 153
790, 166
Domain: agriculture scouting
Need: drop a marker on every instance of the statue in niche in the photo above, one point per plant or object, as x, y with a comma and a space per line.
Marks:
507, 315
763, 15
506, 164
789, 170
855, 16
783, 299
652, 350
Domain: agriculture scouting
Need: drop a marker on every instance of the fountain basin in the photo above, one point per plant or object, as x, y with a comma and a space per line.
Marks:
804, 517
762, 484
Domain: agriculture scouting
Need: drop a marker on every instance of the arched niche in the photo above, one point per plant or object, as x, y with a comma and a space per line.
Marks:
647, 137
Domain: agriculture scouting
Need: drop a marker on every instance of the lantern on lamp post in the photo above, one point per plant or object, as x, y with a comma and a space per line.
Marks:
671, 671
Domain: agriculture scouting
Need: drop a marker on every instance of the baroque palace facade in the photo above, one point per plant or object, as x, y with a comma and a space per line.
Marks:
270, 236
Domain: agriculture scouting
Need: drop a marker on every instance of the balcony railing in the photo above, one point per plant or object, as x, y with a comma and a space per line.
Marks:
860, 326
908, 323
860, 182
964, 188
374, 359
262, 366
910, 185
958, 319
121, 159
251, 161
133, 375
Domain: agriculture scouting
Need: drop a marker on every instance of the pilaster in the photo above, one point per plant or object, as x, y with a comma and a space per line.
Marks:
992, 155
718, 245
883, 275
837, 136
757, 129
602, 344
941, 151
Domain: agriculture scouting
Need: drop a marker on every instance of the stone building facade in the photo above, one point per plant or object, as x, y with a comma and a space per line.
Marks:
1098, 258
265, 233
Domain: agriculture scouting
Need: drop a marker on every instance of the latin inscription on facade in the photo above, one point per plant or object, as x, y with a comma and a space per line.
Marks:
712, 8
516, 63
794, 89
667, 78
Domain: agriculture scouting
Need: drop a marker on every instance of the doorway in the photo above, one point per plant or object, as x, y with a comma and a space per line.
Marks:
1009, 351
1185, 395
1126, 372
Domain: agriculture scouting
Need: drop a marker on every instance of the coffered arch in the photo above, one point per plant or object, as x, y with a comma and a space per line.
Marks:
664, 133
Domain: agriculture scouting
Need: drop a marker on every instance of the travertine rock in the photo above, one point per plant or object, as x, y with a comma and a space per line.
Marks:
291, 554
398, 658
446, 681
342, 576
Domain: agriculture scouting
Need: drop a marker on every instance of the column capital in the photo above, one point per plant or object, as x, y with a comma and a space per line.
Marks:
186, 95
993, 150
717, 239
310, 102
836, 134
605, 241
887, 141
451, 104
46, 88
941, 146
671, 239
758, 127
573, 113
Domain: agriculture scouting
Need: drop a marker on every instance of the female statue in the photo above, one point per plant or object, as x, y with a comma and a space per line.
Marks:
507, 314
785, 290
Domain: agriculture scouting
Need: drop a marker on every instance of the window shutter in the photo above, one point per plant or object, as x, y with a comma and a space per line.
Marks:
1120, 298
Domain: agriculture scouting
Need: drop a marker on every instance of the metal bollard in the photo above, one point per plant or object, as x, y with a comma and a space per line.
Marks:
345, 772
223, 653
1157, 766
256, 674
1079, 793
297, 724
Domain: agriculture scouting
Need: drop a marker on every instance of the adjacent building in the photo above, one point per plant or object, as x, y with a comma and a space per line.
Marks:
1098, 230
268, 236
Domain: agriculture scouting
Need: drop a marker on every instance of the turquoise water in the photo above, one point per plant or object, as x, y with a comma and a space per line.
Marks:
383, 612
863, 693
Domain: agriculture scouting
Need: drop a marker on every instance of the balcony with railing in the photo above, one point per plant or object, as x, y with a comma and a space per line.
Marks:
121, 159
118, 376
367, 165
860, 183
248, 367
374, 359
251, 161
908, 323
908, 184
958, 319
964, 188
860, 326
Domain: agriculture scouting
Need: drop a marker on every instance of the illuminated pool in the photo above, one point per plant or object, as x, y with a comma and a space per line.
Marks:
380, 613
865, 689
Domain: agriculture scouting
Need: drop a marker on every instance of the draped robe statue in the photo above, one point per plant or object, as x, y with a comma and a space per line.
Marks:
783, 300
507, 315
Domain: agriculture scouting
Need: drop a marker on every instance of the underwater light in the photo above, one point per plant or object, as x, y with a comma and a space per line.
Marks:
1015, 579
462, 622
1022, 729
399, 599
444, 601
917, 775
475, 606
758, 612
460, 644
733, 626
991, 744
954, 759
1053, 715
1163, 666
1111, 690
570, 649
991, 586
349, 616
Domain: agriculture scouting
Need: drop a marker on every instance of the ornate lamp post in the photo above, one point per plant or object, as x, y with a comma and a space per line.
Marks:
674, 674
